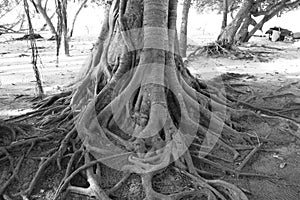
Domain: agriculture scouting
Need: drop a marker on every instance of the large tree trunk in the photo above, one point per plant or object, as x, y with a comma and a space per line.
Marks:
140, 107
138, 110
139, 113
183, 29
228, 34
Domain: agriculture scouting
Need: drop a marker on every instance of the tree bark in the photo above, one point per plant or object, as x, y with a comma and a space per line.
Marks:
225, 14
243, 33
183, 29
65, 27
228, 34
140, 108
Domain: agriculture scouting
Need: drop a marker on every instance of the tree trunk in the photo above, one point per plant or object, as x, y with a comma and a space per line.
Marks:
228, 34
65, 27
34, 52
138, 116
225, 14
45, 25
242, 34
41, 10
268, 15
183, 29
75, 17
141, 108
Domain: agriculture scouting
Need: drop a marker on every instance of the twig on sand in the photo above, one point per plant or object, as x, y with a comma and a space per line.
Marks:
248, 157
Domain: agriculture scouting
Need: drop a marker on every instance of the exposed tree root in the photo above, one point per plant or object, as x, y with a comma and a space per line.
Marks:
219, 49
248, 157
138, 110
13, 176
215, 48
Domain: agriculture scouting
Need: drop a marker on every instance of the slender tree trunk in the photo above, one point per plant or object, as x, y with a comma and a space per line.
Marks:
34, 52
225, 14
46, 24
242, 34
41, 10
65, 27
227, 35
75, 17
183, 29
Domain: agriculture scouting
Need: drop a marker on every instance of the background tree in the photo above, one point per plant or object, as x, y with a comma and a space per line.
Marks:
268, 10
62, 26
225, 14
43, 11
6, 8
239, 28
34, 52
83, 3
243, 19
183, 28
62, 31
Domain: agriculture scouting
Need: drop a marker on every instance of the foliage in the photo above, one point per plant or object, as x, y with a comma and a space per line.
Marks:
98, 2
7, 5
269, 4
215, 5
263, 5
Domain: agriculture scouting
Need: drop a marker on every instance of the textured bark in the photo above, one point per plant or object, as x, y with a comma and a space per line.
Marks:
183, 29
140, 108
243, 33
225, 14
228, 34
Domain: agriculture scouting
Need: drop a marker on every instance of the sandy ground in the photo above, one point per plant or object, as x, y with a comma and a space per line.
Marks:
16, 72
280, 73
17, 77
